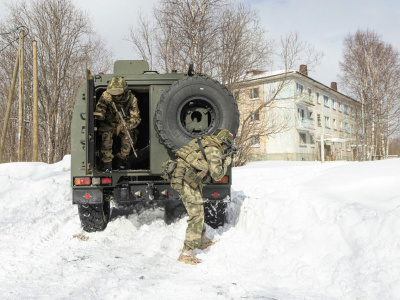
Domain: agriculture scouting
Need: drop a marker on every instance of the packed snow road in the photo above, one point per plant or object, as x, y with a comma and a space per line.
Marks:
296, 230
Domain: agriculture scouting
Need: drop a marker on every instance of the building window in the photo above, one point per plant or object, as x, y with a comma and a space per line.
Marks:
319, 120
318, 98
339, 106
311, 115
255, 141
340, 125
326, 101
300, 89
312, 139
303, 138
309, 94
327, 122
254, 93
346, 127
345, 109
301, 114
255, 116
334, 124
333, 103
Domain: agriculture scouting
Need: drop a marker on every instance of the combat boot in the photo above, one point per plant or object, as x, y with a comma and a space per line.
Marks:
107, 166
188, 257
122, 164
205, 242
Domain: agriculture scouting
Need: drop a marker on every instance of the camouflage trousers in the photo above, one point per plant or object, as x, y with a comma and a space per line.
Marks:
193, 201
107, 142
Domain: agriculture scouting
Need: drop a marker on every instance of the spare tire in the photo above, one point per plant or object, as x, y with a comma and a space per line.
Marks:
194, 107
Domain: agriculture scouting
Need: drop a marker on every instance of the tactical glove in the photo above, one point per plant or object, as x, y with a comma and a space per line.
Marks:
130, 126
98, 115
227, 161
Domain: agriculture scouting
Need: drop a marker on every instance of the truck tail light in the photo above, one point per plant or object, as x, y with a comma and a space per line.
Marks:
106, 180
224, 179
82, 181
164, 193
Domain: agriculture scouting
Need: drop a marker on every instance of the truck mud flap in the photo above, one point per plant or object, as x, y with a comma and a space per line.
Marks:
213, 193
87, 196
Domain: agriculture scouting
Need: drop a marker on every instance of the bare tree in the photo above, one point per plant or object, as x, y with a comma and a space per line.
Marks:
241, 45
369, 72
67, 46
144, 37
189, 28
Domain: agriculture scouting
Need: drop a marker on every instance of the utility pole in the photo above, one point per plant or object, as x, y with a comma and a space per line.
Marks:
9, 104
35, 103
21, 97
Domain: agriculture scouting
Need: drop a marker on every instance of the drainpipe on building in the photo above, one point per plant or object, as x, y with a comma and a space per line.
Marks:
322, 149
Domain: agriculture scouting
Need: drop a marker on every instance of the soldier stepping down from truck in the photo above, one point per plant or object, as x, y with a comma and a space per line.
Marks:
118, 114
199, 158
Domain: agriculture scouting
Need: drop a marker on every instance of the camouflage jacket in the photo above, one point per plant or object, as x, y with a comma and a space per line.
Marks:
110, 118
213, 165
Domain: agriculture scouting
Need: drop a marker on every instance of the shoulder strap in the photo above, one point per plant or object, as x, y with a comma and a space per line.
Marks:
201, 148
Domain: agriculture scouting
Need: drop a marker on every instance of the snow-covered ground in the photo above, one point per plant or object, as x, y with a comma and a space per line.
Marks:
297, 230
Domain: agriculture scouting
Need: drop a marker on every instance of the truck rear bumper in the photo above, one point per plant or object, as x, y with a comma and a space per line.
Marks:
132, 192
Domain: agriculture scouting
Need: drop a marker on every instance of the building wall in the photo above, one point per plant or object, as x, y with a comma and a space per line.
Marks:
306, 112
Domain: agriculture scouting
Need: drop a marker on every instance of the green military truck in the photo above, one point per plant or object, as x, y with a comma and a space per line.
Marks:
174, 108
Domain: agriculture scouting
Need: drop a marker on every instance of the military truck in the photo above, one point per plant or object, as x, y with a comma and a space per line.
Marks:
174, 108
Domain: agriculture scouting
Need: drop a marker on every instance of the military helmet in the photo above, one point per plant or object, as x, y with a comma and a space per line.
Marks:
117, 86
223, 136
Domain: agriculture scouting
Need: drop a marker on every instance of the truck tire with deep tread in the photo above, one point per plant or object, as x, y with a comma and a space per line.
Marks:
194, 107
214, 214
94, 217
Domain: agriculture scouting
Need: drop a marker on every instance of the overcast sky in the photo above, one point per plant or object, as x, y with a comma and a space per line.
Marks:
323, 23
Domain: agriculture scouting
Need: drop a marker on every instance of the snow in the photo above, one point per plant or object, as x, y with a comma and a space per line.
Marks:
296, 230
266, 74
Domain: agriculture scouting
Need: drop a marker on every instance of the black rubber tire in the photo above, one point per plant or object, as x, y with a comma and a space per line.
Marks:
209, 94
94, 217
174, 210
214, 214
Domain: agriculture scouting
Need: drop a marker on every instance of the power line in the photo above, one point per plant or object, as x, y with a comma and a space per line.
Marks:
13, 30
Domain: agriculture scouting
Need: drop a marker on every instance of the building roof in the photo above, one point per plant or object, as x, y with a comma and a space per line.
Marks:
277, 73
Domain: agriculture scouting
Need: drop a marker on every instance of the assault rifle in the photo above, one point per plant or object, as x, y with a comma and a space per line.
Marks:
231, 151
121, 114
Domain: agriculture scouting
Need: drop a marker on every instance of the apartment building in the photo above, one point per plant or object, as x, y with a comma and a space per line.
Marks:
299, 112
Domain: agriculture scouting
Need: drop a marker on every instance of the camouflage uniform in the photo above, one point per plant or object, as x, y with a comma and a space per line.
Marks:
109, 125
191, 161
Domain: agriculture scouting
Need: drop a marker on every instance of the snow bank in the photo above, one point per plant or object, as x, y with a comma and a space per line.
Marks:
296, 230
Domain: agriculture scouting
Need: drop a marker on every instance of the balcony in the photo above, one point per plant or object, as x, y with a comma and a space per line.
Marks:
303, 98
305, 124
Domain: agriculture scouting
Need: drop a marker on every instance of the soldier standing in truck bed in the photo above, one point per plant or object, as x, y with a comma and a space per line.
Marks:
109, 125
199, 158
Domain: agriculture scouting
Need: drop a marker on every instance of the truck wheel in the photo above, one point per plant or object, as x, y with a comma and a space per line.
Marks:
194, 107
94, 217
174, 210
214, 214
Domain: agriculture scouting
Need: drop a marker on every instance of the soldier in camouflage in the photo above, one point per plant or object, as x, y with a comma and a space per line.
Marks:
109, 125
196, 160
